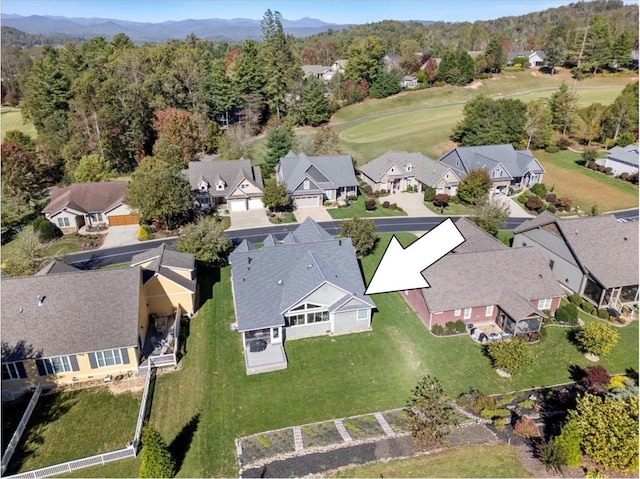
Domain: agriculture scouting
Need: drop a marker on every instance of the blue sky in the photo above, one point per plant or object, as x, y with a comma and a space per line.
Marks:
332, 11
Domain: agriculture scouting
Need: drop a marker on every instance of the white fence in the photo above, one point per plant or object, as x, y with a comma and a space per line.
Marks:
15, 439
143, 406
65, 467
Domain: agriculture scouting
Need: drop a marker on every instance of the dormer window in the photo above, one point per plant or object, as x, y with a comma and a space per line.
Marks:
497, 173
203, 186
220, 185
409, 167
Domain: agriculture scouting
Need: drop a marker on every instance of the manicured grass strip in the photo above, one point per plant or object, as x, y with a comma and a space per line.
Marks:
453, 209
12, 120
584, 186
61, 248
357, 209
124, 468
466, 461
76, 424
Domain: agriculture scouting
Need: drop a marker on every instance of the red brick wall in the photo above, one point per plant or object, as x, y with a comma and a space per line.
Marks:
416, 301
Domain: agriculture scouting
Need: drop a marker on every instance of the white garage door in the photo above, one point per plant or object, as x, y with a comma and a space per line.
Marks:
302, 201
238, 205
255, 204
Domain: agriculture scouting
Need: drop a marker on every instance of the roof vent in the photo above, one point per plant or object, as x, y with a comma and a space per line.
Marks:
280, 282
41, 300
540, 276
249, 258
625, 238
21, 310
576, 231
339, 242
309, 266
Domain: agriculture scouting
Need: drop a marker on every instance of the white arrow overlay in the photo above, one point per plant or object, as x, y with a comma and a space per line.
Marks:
401, 268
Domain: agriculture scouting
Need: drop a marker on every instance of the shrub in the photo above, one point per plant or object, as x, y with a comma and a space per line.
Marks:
589, 154
145, 233
383, 192
354, 197
608, 170
551, 208
551, 198
489, 413
567, 314
624, 176
576, 299
592, 165
393, 207
569, 440
539, 189
455, 199
437, 330
600, 168
370, 205
552, 455
564, 203
429, 193
603, 314
564, 142
596, 379
385, 205
572, 310
328, 203
366, 188
442, 200
534, 203
511, 356
377, 194
525, 427
522, 199
587, 307
621, 320
476, 401
500, 422
46, 230
455, 327
552, 149
597, 338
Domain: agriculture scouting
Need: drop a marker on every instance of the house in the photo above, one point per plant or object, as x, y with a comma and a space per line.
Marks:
391, 61
312, 180
337, 67
169, 279
535, 58
594, 256
317, 71
488, 285
308, 285
62, 327
507, 167
90, 204
409, 81
622, 160
233, 184
398, 170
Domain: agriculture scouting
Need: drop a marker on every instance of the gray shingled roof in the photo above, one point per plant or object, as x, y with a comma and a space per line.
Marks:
475, 238
163, 260
268, 281
88, 197
465, 280
516, 162
425, 170
604, 247
229, 171
628, 154
81, 312
57, 267
337, 169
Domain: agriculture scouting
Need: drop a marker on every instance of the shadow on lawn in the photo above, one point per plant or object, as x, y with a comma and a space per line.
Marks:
208, 276
48, 410
182, 442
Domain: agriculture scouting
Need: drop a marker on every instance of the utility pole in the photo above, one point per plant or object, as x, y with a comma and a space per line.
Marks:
584, 41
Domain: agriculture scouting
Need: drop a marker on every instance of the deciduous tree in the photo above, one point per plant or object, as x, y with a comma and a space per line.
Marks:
275, 197
206, 240
362, 233
511, 356
597, 338
490, 215
475, 187
93, 168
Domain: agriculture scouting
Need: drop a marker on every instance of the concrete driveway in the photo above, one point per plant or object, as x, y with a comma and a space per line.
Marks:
248, 219
515, 209
120, 236
411, 203
317, 213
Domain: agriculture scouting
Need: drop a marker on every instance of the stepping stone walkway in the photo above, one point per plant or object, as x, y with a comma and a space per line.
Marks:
297, 438
346, 437
384, 424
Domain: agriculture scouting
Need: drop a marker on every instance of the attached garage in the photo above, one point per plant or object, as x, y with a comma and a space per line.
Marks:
238, 205
121, 220
256, 204
303, 201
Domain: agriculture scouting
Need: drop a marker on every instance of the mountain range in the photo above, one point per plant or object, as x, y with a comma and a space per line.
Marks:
216, 29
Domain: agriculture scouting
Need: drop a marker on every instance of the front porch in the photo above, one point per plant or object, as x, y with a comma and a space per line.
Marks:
263, 350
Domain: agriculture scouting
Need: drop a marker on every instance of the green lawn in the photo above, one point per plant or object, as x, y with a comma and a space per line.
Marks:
357, 209
453, 209
466, 461
12, 120
423, 120
76, 424
211, 401
584, 186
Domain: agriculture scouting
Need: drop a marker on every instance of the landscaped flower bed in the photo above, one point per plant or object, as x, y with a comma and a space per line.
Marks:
267, 445
320, 434
363, 427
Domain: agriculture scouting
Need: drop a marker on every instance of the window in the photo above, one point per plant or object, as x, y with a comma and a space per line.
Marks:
467, 313
61, 364
304, 306
497, 173
244, 186
306, 184
489, 310
108, 358
220, 186
13, 371
64, 221
308, 318
551, 263
363, 314
544, 303
97, 217
457, 312
409, 167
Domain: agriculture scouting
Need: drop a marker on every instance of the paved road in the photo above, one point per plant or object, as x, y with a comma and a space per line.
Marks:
123, 254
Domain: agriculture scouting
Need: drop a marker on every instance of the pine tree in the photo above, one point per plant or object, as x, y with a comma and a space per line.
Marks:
156, 460
279, 143
315, 105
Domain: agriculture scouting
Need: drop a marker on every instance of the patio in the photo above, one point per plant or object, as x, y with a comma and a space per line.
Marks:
271, 358
161, 341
